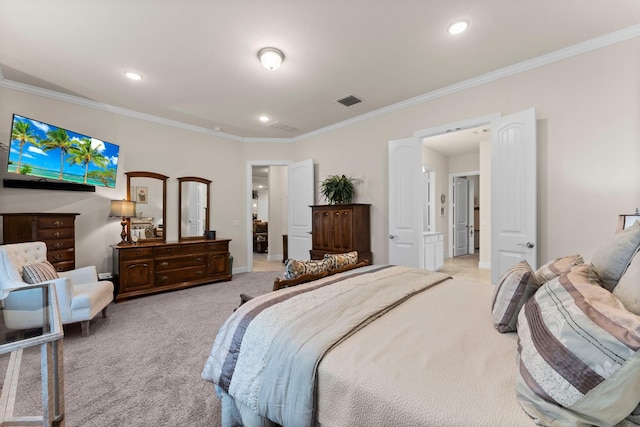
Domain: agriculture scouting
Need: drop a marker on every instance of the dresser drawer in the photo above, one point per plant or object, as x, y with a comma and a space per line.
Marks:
179, 249
218, 247
55, 233
178, 276
61, 255
55, 221
57, 244
64, 266
138, 253
192, 260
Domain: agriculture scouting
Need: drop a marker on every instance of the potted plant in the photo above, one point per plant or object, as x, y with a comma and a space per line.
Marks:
338, 189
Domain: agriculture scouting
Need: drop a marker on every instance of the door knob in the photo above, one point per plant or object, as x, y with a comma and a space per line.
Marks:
392, 236
528, 245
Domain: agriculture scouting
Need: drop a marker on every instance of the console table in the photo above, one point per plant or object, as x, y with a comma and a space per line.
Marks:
146, 268
49, 338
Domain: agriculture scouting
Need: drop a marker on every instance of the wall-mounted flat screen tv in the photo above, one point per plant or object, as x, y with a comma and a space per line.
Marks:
45, 151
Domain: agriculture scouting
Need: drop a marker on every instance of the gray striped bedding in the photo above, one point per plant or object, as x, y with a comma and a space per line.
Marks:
578, 359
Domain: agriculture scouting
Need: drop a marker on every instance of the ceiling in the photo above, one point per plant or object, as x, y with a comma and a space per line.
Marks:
199, 59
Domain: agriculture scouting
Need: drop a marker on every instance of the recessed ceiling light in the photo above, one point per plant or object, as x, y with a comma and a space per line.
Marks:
263, 118
458, 26
133, 75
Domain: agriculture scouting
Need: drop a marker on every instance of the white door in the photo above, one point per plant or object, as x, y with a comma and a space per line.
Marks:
513, 192
460, 217
301, 191
405, 202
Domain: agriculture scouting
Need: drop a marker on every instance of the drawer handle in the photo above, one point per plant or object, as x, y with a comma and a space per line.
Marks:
57, 234
164, 263
199, 273
199, 258
57, 257
57, 245
138, 252
58, 223
164, 278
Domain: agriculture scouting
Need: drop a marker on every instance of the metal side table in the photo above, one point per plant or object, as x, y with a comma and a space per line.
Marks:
27, 306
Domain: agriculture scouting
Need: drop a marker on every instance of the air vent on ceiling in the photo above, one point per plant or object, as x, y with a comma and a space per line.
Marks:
284, 127
350, 100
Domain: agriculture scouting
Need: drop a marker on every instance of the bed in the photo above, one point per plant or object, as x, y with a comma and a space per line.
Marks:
392, 345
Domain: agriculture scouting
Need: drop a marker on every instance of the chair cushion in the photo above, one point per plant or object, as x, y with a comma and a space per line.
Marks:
39, 272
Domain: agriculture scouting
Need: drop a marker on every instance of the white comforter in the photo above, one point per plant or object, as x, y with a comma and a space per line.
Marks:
435, 360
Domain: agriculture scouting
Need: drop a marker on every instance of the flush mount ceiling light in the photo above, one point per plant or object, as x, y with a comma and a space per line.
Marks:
133, 75
458, 27
263, 118
270, 57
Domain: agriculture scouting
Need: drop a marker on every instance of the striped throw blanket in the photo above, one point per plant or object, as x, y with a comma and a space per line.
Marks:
266, 354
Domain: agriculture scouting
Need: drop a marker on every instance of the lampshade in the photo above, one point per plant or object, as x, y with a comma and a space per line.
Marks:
271, 57
123, 208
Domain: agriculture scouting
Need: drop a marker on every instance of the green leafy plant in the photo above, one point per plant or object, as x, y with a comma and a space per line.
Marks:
338, 189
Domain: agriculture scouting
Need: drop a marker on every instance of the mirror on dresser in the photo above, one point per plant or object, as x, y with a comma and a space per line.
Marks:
194, 204
149, 191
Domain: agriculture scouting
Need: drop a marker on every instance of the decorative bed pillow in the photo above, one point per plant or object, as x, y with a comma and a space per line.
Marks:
578, 358
556, 267
39, 272
341, 260
294, 268
628, 288
613, 257
514, 289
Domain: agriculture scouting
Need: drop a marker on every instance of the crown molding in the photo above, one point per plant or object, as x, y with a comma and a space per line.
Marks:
550, 58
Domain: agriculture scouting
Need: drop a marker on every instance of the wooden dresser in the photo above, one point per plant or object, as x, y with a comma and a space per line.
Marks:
147, 268
341, 228
57, 230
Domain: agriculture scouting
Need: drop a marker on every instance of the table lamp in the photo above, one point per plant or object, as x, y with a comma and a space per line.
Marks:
123, 209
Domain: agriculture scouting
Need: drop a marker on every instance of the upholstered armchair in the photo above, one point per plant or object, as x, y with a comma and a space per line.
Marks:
80, 294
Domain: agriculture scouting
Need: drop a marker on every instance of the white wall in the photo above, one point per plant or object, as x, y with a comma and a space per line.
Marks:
587, 108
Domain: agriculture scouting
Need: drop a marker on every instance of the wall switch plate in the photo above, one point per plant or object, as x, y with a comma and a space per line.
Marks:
105, 276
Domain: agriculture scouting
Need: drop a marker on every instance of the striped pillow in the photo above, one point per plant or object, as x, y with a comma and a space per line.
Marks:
294, 268
513, 290
341, 260
39, 272
578, 355
556, 267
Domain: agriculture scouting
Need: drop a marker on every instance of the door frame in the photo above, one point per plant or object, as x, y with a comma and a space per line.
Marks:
450, 197
249, 210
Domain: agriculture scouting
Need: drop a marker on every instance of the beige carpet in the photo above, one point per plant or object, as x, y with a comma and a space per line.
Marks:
141, 366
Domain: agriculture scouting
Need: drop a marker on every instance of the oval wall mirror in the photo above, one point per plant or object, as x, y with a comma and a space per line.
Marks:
194, 204
149, 191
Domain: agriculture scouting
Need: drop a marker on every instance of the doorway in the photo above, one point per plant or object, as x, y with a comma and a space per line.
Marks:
459, 159
266, 214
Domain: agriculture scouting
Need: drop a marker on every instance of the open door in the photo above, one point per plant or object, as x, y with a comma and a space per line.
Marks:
460, 216
513, 192
405, 202
301, 196
471, 216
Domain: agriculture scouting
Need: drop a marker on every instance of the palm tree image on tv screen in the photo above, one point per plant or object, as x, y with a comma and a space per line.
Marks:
41, 150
